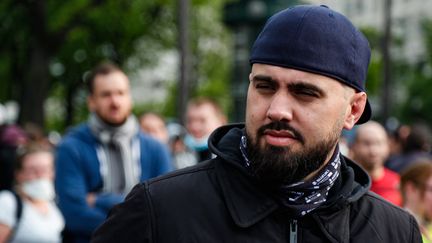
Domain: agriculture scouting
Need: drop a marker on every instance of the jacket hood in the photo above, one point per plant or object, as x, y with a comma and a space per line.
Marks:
354, 182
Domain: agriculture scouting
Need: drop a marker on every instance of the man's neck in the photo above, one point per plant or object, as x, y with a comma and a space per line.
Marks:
376, 173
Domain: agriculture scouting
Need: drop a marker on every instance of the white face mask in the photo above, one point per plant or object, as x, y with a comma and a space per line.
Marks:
39, 189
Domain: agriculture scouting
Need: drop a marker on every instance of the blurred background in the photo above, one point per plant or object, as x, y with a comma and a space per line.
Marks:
177, 50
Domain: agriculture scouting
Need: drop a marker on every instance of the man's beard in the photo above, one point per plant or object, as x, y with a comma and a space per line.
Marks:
109, 121
275, 166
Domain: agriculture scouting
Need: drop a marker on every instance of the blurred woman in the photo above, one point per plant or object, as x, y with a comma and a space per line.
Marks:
40, 221
416, 187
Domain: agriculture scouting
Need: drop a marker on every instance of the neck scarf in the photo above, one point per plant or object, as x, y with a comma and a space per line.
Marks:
303, 197
118, 153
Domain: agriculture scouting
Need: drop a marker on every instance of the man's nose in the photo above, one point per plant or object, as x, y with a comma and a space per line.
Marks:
115, 99
280, 108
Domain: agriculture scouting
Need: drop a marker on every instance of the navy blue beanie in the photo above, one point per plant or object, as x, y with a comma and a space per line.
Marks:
319, 40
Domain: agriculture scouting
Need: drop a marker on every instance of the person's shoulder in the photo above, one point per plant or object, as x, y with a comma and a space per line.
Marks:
193, 179
6, 197
371, 199
8, 205
391, 174
377, 210
383, 220
185, 175
79, 134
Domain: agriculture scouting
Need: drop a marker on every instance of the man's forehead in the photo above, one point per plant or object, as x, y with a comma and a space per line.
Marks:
279, 74
371, 130
111, 80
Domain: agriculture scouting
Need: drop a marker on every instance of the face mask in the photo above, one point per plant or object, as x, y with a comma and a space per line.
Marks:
39, 189
196, 144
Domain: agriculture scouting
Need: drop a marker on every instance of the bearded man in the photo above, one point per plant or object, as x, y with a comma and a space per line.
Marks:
280, 177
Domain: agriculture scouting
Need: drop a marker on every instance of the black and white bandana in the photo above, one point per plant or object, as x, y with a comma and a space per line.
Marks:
305, 196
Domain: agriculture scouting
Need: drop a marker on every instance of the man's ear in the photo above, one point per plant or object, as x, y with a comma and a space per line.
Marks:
355, 110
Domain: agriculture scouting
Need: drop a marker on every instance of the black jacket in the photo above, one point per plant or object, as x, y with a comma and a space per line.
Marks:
218, 201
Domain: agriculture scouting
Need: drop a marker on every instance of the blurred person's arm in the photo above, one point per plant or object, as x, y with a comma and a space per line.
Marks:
8, 217
104, 201
72, 190
5, 231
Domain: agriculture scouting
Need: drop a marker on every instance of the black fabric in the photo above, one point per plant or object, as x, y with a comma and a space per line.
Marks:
7, 161
11, 136
204, 155
218, 201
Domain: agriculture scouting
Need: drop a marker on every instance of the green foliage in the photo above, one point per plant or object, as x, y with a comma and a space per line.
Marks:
427, 31
211, 55
374, 76
410, 81
170, 108
418, 101
418, 81
413, 83
75, 35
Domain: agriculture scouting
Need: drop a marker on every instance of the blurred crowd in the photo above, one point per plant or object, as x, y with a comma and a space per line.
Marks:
61, 192
399, 162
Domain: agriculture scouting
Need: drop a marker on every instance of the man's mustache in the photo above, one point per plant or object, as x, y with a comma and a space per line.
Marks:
114, 107
278, 126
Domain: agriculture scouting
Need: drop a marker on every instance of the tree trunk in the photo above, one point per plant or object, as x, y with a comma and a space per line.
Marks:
69, 99
35, 83
35, 88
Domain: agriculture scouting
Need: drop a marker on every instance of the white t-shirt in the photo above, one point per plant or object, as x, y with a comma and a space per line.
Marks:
34, 226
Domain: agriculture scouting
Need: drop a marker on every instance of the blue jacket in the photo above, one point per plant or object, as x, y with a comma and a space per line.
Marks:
78, 173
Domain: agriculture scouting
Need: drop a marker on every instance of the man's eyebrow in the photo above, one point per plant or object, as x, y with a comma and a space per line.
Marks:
262, 77
299, 85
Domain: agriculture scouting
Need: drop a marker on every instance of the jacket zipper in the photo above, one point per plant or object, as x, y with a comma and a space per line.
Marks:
293, 231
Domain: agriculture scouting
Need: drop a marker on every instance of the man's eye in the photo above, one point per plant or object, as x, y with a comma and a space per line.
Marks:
264, 87
307, 93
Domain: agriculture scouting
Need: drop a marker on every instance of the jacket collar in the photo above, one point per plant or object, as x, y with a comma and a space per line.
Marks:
246, 203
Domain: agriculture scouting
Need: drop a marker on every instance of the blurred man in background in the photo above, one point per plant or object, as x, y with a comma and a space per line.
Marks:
370, 149
154, 125
99, 161
202, 118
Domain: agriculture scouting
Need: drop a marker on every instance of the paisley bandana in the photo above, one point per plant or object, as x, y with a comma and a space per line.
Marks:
303, 197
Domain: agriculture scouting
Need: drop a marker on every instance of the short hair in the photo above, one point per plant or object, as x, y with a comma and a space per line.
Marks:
28, 149
103, 69
151, 113
417, 174
207, 101
358, 130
